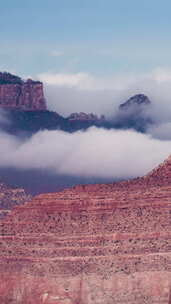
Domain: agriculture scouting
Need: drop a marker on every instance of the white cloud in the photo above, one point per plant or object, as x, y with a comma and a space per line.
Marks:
87, 81
56, 53
94, 153
69, 92
66, 80
161, 131
161, 75
84, 80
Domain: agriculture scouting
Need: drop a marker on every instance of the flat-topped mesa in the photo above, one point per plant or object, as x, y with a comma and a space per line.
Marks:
16, 93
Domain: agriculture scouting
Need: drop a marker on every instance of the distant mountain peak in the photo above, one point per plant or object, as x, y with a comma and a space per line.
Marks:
134, 113
136, 100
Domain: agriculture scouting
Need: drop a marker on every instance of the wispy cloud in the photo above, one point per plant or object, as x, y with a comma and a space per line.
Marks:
65, 80
56, 53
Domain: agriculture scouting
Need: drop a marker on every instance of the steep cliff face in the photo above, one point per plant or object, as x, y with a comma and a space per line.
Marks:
18, 94
90, 245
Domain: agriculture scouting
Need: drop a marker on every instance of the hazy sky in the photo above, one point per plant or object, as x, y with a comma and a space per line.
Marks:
100, 37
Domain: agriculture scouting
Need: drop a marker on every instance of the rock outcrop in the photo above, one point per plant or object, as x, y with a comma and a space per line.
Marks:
136, 100
26, 110
96, 244
18, 94
134, 114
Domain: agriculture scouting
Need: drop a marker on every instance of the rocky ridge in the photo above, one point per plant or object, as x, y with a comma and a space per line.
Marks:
26, 110
94, 244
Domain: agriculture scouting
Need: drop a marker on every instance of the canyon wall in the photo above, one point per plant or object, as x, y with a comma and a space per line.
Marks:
96, 244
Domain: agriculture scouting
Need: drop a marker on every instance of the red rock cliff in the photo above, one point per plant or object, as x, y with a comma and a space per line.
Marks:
18, 94
97, 244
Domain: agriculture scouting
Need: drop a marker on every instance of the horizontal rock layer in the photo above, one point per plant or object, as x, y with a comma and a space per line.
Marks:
91, 244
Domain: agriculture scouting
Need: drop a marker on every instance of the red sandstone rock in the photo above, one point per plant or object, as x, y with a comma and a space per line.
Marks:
96, 244
18, 94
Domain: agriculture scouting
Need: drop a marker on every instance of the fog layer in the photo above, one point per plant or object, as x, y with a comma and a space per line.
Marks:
92, 153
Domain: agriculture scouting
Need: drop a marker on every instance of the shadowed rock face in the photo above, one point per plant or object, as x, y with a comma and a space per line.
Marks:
136, 100
10, 197
134, 113
91, 244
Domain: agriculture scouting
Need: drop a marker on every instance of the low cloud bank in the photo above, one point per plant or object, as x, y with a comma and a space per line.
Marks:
92, 153
161, 131
111, 154
67, 93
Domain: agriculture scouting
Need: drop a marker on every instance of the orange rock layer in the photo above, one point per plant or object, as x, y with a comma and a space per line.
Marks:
97, 244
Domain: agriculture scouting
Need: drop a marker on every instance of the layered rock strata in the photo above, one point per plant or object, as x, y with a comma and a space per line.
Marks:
97, 244
18, 94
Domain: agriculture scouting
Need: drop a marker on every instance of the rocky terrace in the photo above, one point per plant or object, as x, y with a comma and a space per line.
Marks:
91, 244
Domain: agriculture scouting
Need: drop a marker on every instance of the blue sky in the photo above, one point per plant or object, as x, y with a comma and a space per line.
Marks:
100, 37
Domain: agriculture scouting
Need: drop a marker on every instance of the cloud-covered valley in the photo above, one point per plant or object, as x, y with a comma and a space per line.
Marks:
93, 153
69, 92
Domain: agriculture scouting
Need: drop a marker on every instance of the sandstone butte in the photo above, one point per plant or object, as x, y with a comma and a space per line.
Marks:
95, 244
18, 94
